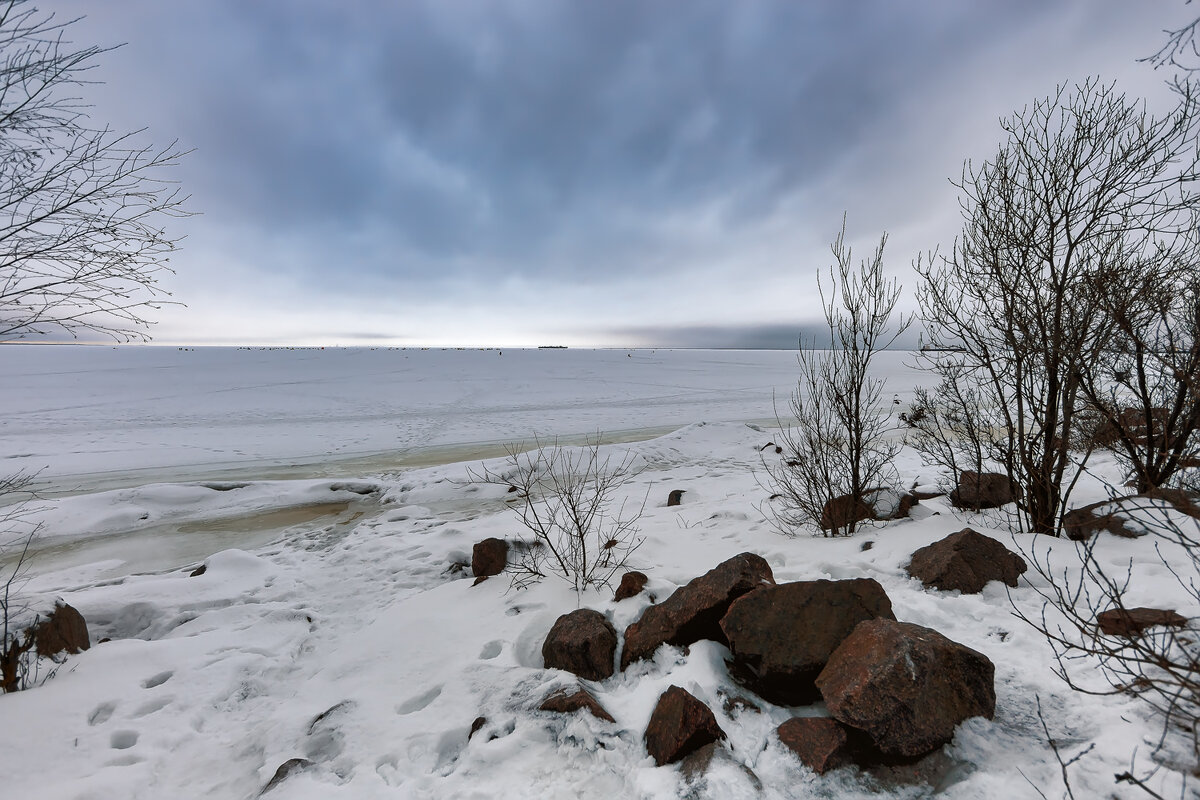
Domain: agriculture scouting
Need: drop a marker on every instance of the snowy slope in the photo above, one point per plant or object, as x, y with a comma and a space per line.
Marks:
349, 641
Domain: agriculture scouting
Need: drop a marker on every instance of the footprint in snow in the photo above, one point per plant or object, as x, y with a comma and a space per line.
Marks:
415, 704
157, 680
101, 713
123, 740
491, 650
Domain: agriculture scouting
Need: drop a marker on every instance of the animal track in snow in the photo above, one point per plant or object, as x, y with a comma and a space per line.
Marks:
101, 713
157, 680
414, 704
491, 649
146, 709
123, 740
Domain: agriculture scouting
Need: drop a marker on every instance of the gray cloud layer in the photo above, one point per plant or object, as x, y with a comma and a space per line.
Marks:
433, 152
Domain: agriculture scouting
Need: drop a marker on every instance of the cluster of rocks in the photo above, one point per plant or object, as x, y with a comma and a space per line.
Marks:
893, 690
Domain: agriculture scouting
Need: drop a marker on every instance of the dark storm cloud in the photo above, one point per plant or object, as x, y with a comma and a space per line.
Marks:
547, 137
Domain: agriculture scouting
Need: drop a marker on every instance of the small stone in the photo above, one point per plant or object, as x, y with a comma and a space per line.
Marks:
820, 743
566, 702
286, 770
489, 557
198, 571
582, 642
1131, 621
675, 497
631, 584
476, 726
680, 725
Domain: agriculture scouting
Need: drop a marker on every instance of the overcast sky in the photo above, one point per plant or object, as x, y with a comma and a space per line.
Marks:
583, 173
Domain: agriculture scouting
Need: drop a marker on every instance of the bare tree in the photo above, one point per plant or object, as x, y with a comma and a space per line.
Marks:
81, 206
567, 497
1087, 182
838, 448
1144, 389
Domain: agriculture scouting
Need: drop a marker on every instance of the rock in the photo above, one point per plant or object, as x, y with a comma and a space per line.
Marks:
489, 557
675, 497
582, 642
1080, 524
565, 701
1130, 621
880, 504
476, 726
906, 687
680, 725
979, 490
62, 630
781, 636
820, 743
841, 512
693, 612
694, 768
965, 561
198, 571
286, 770
1184, 501
631, 584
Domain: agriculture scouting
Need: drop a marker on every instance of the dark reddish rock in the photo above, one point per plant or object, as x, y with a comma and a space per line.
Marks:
1131, 621
675, 497
62, 630
694, 768
286, 770
198, 571
1080, 524
906, 687
565, 701
782, 636
1184, 501
693, 612
979, 490
841, 512
489, 557
965, 561
820, 743
582, 642
476, 726
876, 505
632, 583
680, 725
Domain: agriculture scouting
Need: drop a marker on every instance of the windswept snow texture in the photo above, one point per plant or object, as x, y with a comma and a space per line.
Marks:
332, 626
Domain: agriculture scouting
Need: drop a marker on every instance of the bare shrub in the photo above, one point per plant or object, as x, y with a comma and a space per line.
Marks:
569, 499
1158, 665
837, 442
17, 534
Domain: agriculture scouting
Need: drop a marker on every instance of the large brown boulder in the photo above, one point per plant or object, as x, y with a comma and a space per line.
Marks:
820, 743
583, 642
565, 701
1132, 621
693, 612
979, 490
906, 687
63, 630
680, 725
965, 561
489, 557
781, 636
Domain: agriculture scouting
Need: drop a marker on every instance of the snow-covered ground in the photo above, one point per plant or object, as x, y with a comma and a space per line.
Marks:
330, 625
